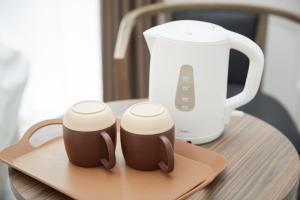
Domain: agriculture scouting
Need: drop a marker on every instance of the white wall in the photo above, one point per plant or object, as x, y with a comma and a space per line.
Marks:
282, 69
61, 39
282, 72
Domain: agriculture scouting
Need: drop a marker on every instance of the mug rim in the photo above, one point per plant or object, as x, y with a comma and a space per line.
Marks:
89, 101
160, 110
91, 118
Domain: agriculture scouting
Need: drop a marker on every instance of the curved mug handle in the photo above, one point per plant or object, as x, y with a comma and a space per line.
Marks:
111, 161
169, 166
256, 63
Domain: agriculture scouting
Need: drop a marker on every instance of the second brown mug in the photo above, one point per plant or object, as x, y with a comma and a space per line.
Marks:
147, 137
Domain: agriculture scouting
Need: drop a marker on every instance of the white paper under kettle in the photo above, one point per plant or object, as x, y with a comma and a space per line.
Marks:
188, 75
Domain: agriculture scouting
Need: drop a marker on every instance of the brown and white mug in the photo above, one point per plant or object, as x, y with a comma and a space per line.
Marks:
147, 137
89, 132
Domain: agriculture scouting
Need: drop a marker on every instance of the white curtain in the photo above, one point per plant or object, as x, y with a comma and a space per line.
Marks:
61, 39
13, 77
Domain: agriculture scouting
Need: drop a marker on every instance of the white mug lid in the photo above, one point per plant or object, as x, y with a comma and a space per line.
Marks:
147, 118
89, 116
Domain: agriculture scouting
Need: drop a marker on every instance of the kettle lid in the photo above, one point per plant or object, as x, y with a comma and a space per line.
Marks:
189, 31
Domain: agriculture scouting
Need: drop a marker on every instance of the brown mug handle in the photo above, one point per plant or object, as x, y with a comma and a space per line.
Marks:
110, 163
169, 166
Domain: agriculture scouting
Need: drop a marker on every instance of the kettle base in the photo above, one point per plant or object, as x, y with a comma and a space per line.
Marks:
200, 140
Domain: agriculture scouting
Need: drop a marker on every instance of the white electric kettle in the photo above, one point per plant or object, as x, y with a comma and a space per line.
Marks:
188, 75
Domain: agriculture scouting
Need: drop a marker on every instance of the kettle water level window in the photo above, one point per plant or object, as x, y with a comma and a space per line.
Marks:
185, 94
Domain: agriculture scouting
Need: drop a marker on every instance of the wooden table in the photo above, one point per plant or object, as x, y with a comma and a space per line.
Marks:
263, 164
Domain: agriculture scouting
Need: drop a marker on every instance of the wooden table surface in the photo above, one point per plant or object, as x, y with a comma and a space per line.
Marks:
263, 164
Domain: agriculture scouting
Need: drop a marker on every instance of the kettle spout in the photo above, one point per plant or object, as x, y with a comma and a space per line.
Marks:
150, 39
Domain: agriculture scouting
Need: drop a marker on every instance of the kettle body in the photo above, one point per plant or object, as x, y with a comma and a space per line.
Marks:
189, 71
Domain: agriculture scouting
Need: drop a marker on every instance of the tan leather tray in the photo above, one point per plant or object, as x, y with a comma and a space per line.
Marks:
195, 167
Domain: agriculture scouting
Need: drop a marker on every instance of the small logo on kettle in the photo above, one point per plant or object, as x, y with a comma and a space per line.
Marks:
184, 131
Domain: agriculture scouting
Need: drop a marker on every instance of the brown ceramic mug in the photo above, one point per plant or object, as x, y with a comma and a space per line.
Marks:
147, 137
89, 132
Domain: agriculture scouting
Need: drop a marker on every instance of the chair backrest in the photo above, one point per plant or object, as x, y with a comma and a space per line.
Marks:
254, 15
241, 22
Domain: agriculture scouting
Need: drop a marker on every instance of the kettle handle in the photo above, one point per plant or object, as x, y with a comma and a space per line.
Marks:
256, 63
